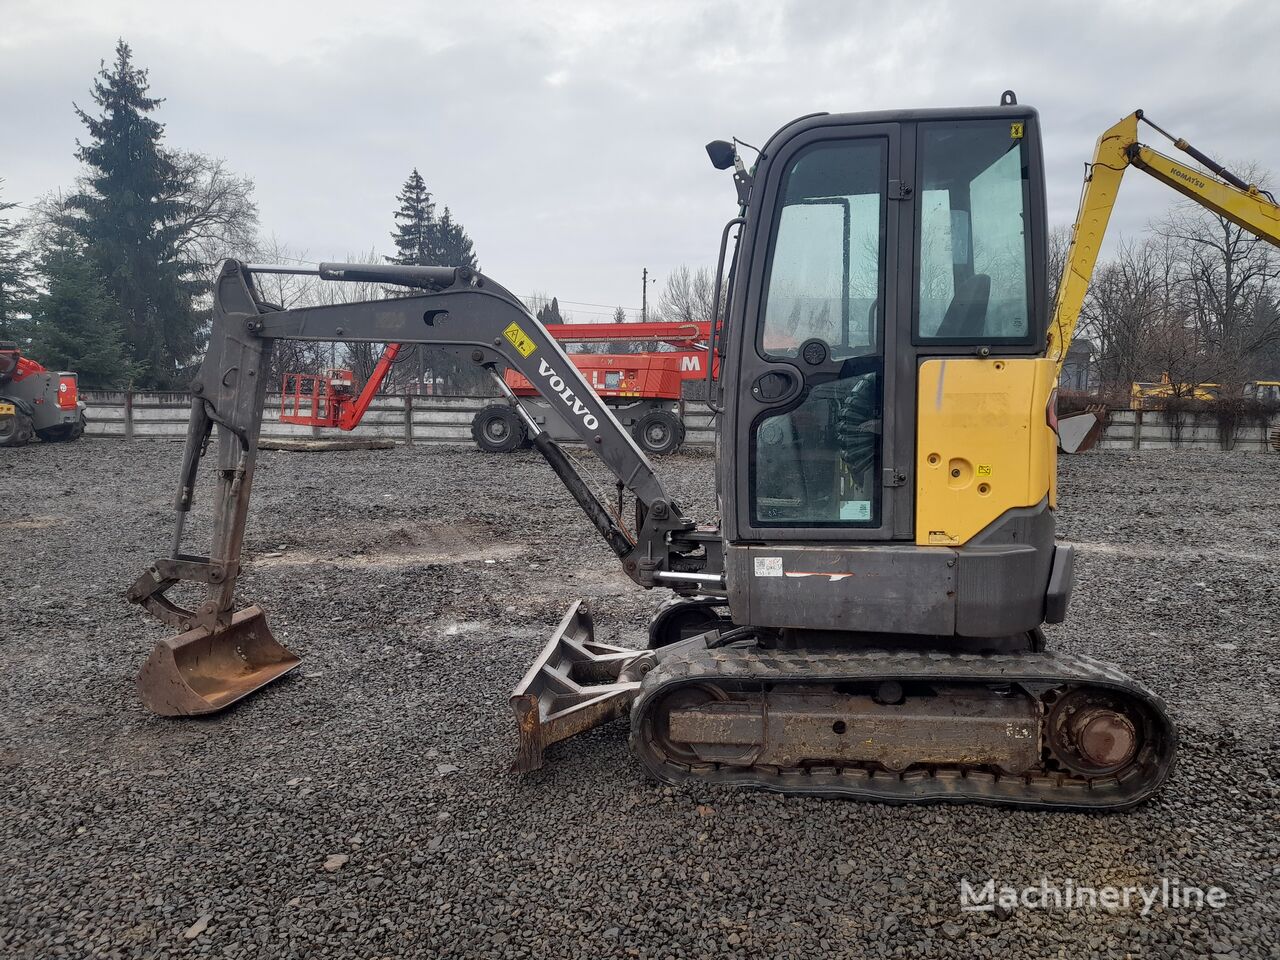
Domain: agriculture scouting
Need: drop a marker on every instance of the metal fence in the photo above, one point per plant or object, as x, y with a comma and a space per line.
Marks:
408, 419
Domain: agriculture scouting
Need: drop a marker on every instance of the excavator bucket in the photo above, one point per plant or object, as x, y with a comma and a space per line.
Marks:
202, 672
1080, 432
574, 684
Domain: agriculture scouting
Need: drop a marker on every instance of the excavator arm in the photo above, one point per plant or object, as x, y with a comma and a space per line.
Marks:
1118, 148
221, 654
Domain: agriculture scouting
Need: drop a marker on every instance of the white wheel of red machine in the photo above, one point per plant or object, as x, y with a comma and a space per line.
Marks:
659, 431
497, 429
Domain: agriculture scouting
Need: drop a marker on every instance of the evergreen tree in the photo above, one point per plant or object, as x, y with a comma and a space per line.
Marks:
130, 211
76, 324
415, 232
550, 313
422, 239
619, 315
453, 247
15, 278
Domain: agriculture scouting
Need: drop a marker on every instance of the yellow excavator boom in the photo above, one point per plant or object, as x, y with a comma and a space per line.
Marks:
1219, 191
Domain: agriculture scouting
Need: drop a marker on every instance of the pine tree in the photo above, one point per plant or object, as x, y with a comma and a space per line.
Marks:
76, 323
453, 247
550, 313
129, 211
15, 278
619, 315
415, 232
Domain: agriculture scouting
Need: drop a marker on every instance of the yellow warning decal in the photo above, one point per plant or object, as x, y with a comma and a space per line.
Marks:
984, 469
519, 339
1015, 130
7, 409
942, 537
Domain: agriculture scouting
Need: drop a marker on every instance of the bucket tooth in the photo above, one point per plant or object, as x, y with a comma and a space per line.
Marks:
202, 671
575, 684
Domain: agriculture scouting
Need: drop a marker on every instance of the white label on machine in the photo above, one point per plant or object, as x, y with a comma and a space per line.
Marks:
768, 566
855, 510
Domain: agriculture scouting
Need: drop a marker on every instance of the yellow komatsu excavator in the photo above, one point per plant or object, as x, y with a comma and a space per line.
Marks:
1214, 187
863, 619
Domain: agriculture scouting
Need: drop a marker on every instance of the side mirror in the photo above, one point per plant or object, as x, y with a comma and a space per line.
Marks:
722, 154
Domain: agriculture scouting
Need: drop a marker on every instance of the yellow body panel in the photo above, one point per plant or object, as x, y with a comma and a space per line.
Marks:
984, 445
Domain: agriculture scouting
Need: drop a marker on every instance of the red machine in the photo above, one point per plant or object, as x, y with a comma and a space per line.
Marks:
36, 402
328, 399
644, 388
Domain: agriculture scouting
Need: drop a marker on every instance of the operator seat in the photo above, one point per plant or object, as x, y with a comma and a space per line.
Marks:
966, 315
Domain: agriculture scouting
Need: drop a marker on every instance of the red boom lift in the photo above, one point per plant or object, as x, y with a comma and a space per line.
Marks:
645, 389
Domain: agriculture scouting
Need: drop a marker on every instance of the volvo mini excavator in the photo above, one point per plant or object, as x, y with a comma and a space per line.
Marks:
864, 619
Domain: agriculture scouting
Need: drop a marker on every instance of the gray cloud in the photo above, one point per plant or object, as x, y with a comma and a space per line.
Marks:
568, 137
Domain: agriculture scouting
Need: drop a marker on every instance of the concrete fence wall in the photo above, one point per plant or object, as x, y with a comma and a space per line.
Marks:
411, 419
425, 419
1153, 430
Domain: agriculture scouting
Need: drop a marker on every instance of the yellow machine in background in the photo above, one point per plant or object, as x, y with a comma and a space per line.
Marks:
1149, 396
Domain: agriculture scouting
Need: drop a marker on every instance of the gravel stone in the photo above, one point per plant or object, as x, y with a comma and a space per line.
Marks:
117, 828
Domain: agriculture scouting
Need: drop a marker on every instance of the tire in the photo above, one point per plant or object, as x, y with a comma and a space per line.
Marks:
16, 430
659, 431
497, 429
63, 432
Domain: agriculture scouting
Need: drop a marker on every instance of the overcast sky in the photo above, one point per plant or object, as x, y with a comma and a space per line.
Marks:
567, 137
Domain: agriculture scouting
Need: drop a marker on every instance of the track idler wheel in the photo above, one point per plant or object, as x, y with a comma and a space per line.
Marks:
1094, 733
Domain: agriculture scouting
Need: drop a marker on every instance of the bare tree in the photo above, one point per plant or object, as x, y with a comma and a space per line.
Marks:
1126, 301
1059, 244
687, 295
218, 217
359, 357
286, 291
1229, 282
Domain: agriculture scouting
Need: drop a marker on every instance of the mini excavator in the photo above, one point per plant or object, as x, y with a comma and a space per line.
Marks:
864, 620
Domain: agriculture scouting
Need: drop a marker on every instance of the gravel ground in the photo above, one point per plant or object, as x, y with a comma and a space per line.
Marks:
417, 584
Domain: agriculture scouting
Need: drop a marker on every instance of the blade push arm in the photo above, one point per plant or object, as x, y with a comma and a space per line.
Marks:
1118, 148
457, 309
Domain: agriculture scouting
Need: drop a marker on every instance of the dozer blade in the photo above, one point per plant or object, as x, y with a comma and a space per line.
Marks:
202, 672
575, 684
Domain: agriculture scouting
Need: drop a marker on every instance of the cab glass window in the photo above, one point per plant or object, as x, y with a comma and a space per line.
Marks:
816, 463
974, 283
825, 273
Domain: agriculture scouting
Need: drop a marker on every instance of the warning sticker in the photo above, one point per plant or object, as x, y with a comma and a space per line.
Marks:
7, 409
768, 566
1015, 130
519, 339
984, 469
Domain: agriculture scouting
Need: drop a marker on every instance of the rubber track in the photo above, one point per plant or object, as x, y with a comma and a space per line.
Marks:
1049, 789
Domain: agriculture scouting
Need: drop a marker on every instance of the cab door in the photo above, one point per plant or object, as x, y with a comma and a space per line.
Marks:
822, 453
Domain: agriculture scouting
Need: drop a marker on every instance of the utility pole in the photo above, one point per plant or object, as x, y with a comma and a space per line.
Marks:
644, 295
